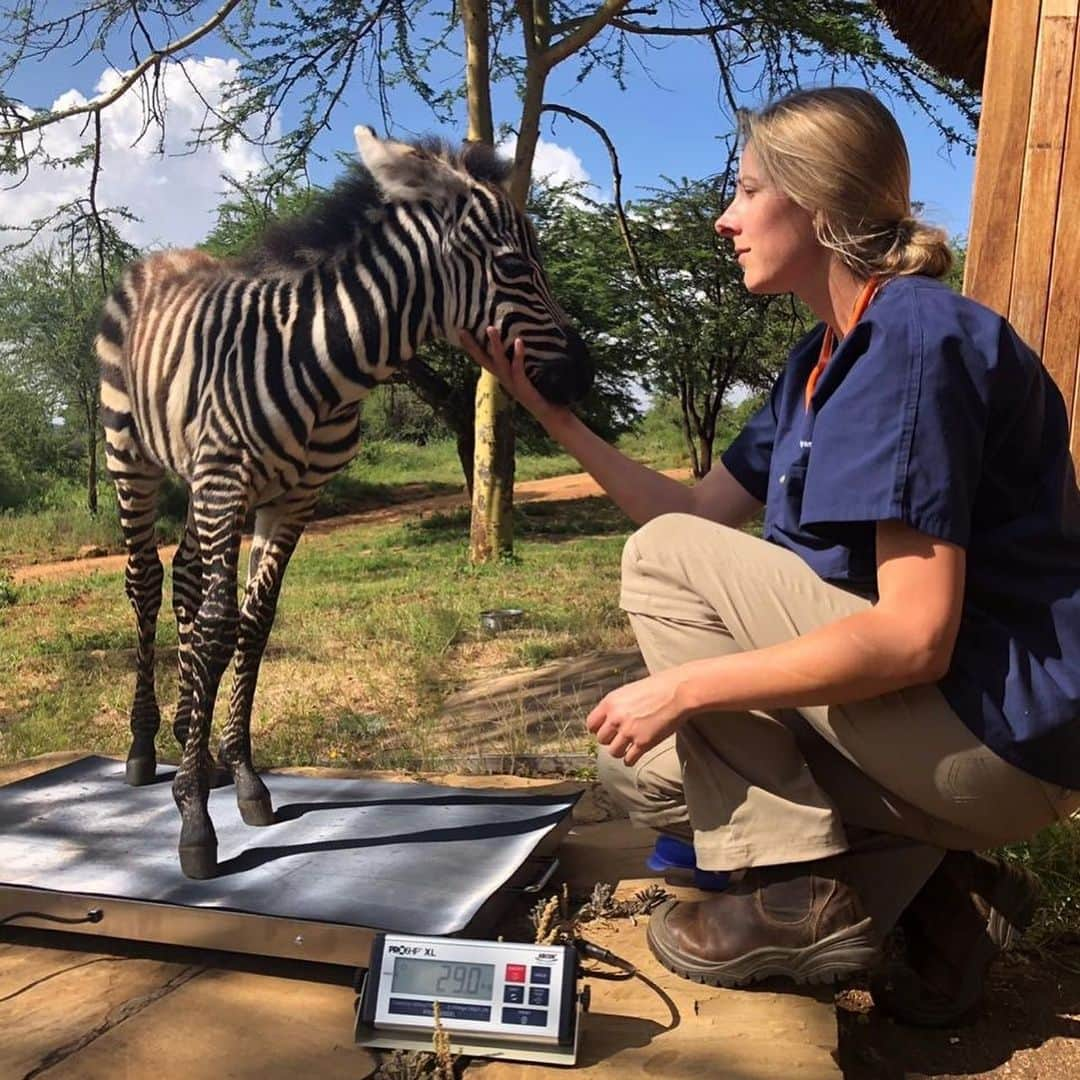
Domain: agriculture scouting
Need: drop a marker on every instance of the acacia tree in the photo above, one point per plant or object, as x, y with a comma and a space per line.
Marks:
305, 55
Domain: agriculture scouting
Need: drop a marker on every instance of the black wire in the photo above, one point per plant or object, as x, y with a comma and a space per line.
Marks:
605, 956
94, 915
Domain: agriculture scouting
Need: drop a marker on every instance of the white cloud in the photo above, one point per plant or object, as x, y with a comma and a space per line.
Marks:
174, 192
552, 163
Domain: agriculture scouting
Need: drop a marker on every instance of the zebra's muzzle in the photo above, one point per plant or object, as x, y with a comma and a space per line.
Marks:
566, 378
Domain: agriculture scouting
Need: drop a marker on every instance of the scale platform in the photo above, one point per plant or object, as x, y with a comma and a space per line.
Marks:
345, 859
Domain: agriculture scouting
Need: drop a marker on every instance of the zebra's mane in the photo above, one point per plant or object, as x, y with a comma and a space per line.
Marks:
345, 210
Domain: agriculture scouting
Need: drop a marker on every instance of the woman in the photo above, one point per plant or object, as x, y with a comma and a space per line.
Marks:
849, 708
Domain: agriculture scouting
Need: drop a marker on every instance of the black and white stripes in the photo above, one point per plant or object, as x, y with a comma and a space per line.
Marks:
244, 378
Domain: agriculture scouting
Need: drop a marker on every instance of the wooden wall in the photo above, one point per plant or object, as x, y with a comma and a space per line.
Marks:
1024, 242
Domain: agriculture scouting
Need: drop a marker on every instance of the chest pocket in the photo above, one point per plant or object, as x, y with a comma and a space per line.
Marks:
791, 482
785, 502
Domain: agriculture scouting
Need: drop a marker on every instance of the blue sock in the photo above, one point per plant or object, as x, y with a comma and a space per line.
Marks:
671, 854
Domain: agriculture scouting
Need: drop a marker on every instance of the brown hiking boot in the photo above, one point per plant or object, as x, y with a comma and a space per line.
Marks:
798, 926
972, 908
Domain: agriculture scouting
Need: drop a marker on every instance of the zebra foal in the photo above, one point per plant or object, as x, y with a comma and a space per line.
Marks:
244, 378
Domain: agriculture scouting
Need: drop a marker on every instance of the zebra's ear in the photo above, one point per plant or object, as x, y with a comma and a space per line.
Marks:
406, 173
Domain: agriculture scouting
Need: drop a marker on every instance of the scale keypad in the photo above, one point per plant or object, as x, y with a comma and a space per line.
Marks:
538, 977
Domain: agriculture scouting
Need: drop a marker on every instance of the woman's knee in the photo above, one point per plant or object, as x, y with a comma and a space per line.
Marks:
673, 544
668, 533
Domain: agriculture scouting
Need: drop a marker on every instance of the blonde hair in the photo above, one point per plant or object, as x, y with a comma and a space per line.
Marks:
838, 153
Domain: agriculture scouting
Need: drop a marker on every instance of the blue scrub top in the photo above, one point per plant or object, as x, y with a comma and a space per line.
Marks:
933, 412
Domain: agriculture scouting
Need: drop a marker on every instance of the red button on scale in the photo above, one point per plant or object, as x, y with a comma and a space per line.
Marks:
515, 973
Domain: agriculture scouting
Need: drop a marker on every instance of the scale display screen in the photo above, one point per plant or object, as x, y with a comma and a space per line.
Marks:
443, 979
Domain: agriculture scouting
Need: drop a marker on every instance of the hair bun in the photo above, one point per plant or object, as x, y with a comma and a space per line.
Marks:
905, 230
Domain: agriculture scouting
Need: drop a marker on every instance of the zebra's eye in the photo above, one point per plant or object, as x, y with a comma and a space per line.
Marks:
511, 265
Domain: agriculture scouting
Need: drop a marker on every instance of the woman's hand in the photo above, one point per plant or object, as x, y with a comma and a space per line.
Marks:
510, 371
639, 715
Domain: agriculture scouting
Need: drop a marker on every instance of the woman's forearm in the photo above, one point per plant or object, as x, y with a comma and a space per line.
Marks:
855, 658
640, 492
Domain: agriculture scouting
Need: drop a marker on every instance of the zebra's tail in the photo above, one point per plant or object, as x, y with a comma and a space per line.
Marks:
111, 346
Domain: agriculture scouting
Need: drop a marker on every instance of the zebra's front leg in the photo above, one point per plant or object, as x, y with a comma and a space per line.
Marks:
187, 590
137, 498
273, 544
213, 641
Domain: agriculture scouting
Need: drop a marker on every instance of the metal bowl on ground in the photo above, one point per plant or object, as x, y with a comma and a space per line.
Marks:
501, 619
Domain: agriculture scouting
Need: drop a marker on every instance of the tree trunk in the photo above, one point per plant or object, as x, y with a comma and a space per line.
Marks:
687, 428
91, 464
491, 532
466, 452
491, 529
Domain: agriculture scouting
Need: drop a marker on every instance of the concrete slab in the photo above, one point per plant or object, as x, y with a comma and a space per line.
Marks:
84, 1015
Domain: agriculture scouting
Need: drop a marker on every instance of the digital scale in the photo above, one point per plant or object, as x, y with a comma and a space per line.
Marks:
497, 999
392, 877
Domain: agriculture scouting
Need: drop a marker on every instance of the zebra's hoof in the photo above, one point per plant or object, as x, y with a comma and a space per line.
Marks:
256, 811
140, 771
199, 862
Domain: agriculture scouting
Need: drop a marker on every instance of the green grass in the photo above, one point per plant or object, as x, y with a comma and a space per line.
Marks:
1054, 855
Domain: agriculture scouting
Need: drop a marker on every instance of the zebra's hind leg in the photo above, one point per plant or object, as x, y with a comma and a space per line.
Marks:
137, 497
277, 531
217, 507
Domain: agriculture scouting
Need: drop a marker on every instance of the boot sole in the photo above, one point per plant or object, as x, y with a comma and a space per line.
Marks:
1012, 907
839, 956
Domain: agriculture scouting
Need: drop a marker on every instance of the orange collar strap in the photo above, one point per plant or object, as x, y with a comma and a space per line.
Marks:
828, 342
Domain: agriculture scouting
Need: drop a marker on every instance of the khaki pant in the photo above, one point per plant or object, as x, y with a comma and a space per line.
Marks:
880, 787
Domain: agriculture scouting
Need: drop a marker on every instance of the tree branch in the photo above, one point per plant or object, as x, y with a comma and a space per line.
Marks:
95, 213
671, 31
152, 61
616, 175
581, 36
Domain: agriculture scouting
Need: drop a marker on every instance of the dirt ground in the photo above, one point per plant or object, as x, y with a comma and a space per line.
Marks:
1028, 1030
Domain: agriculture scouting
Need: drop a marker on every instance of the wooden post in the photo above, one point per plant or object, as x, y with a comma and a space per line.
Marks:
1024, 242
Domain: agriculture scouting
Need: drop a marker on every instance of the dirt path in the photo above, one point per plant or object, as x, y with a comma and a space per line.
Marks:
555, 488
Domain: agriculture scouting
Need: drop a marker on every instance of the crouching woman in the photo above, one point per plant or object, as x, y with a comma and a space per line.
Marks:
888, 682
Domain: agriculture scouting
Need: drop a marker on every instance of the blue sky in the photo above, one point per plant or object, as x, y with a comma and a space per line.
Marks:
667, 123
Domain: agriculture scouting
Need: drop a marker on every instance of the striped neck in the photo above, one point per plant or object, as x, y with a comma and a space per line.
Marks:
378, 302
